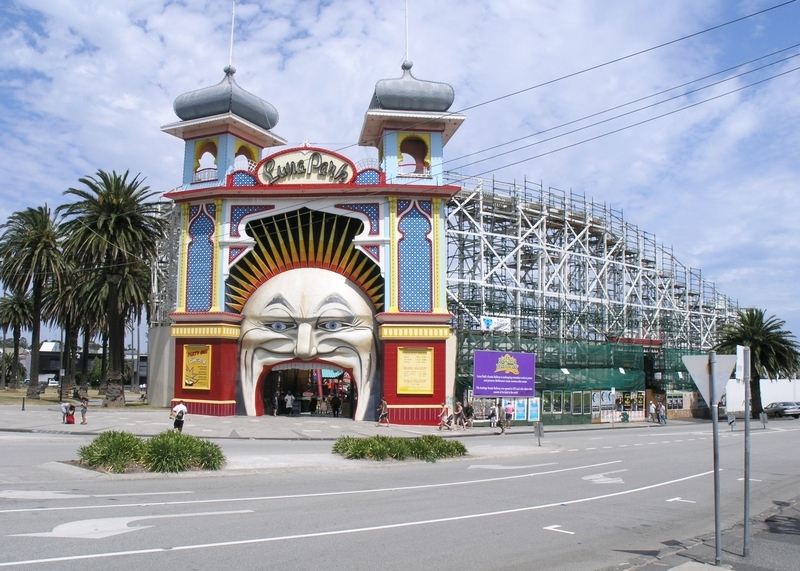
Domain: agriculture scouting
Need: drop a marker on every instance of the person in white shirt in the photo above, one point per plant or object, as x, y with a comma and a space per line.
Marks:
289, 399
179, 412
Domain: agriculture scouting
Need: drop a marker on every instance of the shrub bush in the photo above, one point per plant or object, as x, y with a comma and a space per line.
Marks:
169, 451
114, 451
429, 448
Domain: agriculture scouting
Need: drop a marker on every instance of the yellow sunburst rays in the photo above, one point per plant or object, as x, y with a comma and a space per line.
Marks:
330, 249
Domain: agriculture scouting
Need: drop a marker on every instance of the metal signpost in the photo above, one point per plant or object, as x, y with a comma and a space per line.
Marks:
711, 373
746, 545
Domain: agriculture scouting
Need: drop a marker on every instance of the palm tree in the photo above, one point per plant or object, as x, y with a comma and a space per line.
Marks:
16, 312
31, 254
112, 227
773, 351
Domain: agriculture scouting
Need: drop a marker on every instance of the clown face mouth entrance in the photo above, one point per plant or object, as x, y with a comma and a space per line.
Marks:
315, 392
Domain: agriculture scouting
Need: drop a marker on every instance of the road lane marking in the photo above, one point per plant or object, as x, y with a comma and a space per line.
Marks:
56, 495
349, 531
591, 449
679, 499
101, 528
501, 467
555, 528
751, 479
318, 494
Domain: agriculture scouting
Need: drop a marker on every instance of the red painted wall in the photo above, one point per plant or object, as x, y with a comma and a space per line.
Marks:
224, 367
414, 415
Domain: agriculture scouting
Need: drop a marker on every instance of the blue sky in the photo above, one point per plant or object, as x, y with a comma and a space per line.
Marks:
86, 85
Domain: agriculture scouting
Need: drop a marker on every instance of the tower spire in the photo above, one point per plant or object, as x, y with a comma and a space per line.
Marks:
233, 18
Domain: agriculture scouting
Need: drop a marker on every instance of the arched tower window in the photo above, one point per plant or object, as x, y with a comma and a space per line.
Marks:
243, 159
415, 154
205, 161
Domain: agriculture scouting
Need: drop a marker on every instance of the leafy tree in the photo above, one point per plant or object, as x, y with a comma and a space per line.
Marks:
773, 351
16, 312
112, 227
10, 364
31, 253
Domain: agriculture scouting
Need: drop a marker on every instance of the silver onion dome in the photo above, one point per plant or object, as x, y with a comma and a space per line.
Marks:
226, 97
411, 94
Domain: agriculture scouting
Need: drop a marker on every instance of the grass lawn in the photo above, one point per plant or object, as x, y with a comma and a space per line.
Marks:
50, 397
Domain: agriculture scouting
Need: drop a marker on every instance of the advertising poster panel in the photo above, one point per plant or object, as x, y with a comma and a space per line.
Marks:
504, 374
534, 414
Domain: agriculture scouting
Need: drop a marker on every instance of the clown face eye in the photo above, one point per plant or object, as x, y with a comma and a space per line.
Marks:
280, 326
332, 325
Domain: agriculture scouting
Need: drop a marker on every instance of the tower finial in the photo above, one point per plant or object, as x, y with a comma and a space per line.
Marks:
233, 18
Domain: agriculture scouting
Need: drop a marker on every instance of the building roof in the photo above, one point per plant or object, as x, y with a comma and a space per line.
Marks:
411, 94
226, 97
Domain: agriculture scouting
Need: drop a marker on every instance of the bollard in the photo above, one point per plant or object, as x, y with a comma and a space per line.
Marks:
763, 418
23, 403
732, 421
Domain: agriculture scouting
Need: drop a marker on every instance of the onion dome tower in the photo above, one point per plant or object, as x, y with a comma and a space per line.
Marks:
409, 123
225, 129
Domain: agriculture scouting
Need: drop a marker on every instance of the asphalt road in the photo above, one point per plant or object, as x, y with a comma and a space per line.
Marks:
583, 501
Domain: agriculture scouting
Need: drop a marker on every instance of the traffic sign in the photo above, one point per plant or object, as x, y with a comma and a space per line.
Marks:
699, 369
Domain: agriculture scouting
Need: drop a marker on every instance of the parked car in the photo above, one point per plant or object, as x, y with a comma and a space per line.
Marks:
52, 382
779, 409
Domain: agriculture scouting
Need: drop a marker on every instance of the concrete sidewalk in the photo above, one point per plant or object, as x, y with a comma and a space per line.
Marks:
149, 422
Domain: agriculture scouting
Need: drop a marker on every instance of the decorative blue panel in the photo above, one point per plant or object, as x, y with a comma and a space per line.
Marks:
241, 178
369, 176
371, 210
414, 253
427, 206
239, 212
200, 262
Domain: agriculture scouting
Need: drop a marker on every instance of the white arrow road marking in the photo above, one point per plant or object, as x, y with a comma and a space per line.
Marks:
106, 527
679, 499
555, 528
603, 479
54, 495
499, 467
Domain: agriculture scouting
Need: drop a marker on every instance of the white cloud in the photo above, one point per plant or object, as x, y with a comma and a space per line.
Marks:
86, 85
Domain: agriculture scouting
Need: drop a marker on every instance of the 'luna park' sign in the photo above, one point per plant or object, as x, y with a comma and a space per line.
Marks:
305, 166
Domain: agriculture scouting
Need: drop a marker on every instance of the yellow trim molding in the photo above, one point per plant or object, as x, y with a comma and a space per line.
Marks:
183, 258
414, 331
394, 301
218, 331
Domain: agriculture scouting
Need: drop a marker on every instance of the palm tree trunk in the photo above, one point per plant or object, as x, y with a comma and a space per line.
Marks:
83, 386
115, 396
757, 406
104, 364
66, 352
15, 365
33, 386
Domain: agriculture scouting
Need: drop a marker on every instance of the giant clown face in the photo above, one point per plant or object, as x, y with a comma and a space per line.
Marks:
308, 318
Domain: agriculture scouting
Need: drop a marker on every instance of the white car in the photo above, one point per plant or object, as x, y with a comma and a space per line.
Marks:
52, 382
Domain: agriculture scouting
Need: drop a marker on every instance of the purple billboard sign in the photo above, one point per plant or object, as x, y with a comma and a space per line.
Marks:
504, 374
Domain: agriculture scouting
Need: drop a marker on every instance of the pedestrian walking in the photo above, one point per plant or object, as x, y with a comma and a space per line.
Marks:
84, 409
459, 416
179, 412
509, 414
383, 413
469, 414
493, 415
289, 400
445, 420
651, 417
336, 404
275, 398
661, 410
